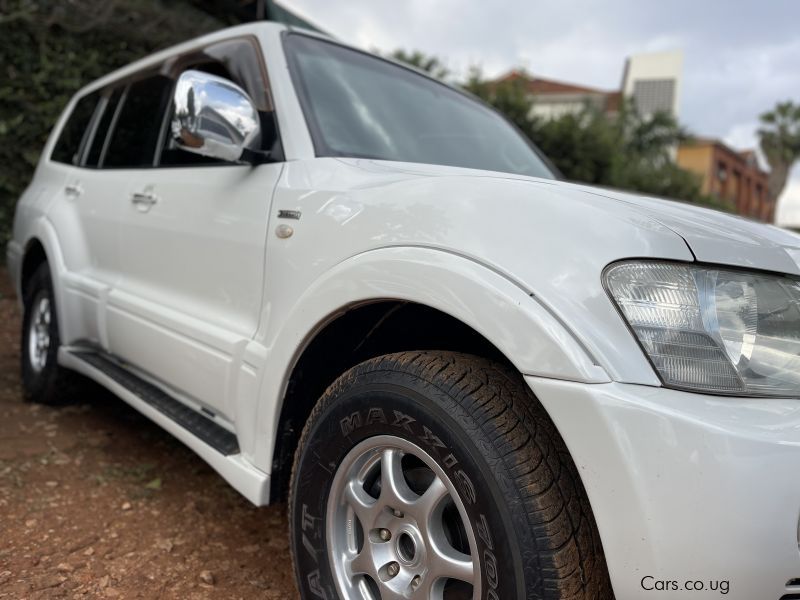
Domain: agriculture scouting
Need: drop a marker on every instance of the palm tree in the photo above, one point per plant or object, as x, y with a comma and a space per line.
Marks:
780, 142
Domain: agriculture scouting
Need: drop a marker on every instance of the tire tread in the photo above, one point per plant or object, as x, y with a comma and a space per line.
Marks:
527, 452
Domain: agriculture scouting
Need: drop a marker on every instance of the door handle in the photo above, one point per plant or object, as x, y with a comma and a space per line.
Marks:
144, 200
73, 189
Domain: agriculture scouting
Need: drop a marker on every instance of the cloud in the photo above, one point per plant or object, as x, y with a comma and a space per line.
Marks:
739, 58
738, 62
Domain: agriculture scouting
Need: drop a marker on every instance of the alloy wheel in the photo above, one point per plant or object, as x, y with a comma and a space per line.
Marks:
397, 528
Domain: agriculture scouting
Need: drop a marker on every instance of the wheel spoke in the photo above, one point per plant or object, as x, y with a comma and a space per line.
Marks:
425, 506
364, 505
362, 563
389, 594
429, 588
449, 562
395, 492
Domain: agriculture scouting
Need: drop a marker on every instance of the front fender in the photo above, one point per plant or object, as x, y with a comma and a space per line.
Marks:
499, 309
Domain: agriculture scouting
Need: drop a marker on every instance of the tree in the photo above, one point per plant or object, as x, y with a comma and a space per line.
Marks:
430, 64
510, 97
626, 151
780, 141
49, 49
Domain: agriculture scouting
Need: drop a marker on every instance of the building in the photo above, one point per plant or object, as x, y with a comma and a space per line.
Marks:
651, 81
553, 99
734, 178
787, 211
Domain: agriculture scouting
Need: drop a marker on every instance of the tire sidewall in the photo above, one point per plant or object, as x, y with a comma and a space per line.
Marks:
394, 403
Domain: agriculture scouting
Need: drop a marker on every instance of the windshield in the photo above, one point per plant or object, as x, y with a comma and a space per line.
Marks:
357, 105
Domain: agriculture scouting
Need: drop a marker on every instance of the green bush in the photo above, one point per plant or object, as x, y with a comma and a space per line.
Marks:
50, 49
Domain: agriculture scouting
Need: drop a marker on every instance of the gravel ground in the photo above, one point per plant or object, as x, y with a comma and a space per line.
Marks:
98, 502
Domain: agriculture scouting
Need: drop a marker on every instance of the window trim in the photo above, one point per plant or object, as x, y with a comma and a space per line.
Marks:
83, 147
108, 94
110, 131
163, 132
91, 130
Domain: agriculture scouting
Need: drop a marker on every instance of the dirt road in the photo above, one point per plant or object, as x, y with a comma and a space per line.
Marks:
97, 502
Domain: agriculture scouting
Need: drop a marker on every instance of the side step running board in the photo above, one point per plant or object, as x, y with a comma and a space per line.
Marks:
194, 421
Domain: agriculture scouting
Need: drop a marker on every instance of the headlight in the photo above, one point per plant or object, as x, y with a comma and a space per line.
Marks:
713, 330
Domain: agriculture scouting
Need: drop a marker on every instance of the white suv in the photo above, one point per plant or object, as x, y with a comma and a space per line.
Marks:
340, 281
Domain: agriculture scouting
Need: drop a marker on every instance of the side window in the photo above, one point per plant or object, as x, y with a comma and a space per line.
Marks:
239, 61
136, 132
68, 147
102, 125
171, 155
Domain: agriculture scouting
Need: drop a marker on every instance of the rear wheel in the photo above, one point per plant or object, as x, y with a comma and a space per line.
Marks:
43, 380
433, 475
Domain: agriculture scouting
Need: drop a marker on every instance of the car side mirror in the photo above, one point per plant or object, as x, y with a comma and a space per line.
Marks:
214, 117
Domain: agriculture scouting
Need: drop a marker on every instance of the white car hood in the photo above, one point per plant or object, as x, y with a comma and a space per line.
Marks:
711, 235
551, 238
717, 237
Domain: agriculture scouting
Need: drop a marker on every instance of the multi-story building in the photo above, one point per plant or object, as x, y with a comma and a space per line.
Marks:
553, 99
787, 211
651, 81
733, 178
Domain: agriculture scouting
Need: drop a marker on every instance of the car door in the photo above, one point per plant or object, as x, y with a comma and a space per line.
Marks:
83, 212
193, 250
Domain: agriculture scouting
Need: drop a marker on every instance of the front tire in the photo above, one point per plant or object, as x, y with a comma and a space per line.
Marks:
439, 475
43, 380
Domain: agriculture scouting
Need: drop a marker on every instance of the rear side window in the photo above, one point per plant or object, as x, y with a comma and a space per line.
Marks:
101, 128
138, 126
68, 147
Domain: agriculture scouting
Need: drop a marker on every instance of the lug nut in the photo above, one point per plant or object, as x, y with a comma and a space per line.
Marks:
392, 569
385, 535
415, 582
397, 514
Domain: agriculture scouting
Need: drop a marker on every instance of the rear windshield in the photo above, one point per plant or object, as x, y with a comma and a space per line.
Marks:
358, 105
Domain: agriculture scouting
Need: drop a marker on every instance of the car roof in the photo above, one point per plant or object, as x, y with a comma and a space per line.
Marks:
152, 60
260, 27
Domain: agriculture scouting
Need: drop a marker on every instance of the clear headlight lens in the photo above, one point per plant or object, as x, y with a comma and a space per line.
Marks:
713, 330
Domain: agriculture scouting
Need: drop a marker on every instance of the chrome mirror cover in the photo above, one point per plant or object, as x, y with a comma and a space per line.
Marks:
214, 117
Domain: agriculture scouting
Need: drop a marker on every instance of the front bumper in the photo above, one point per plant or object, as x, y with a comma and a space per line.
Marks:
689, 491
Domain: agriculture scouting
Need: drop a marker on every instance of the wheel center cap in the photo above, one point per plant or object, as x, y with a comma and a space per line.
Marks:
409, 547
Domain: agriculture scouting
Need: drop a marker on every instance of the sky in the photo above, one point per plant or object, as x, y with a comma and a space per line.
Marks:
740, 56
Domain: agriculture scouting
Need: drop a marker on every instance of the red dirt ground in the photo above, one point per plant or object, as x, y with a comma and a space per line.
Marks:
98, 502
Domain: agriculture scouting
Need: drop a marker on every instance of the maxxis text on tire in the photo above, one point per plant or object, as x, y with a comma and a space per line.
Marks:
535, 533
